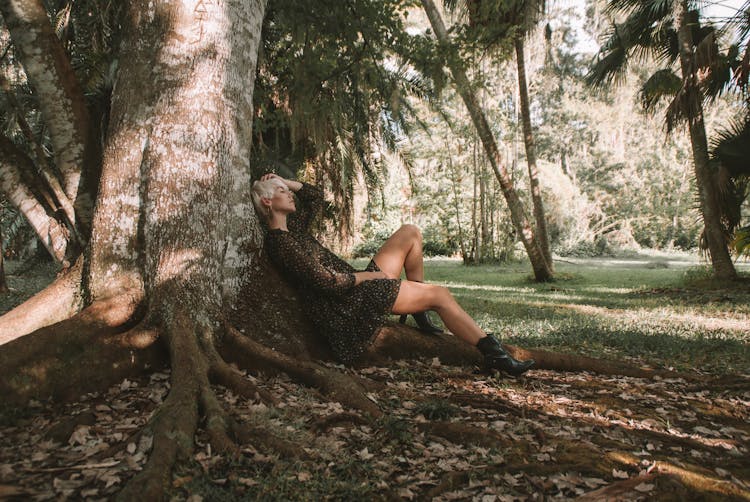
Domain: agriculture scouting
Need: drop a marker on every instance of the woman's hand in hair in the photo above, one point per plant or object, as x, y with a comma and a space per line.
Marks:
290, 184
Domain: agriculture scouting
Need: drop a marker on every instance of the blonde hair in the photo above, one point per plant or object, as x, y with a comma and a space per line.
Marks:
265, 190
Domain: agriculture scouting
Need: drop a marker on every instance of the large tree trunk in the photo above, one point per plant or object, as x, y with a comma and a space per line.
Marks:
174, 208
542, 271
717, 243
59, 95
528, 141
51, 233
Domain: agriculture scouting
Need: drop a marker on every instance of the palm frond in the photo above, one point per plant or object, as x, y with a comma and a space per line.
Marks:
661, 85
680, 109
639, 37
743, 70
741, 242
655, 8
730, 147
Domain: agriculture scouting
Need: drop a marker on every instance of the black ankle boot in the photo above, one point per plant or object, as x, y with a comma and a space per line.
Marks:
423, 322
495, 357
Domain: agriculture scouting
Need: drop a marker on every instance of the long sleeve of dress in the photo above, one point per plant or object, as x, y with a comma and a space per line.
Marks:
310, 202
302, 266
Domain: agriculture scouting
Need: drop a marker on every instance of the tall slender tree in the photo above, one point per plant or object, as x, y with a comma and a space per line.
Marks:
526, 233
671, 32
495, 24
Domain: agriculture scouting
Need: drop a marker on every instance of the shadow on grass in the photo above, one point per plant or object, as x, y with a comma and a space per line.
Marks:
681, 341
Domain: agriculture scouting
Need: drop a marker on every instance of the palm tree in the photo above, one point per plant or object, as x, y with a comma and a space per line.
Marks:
670, 32
730, 147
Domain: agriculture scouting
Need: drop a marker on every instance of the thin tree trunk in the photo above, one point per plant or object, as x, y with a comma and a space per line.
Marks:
456, 204
3, 281
50, 179
53, 235
542, 271
717, 244
474, 226
483, 211
528, 140
60, 97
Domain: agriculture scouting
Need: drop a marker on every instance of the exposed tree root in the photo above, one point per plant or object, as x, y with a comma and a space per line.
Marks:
57, 302
265, 440
493, 404
139, 337
74, 356
176, 421
692, 478
546, 360
195, 363
400, 342
217, 424
450, 482
223, 374
617, 490
326, 422
337, 386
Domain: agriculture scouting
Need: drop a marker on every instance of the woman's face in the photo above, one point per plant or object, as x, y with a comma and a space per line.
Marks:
283, 200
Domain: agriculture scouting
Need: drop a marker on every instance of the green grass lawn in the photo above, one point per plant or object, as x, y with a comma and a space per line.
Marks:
653, 312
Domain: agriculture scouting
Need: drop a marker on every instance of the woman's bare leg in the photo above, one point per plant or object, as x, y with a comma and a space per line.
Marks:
418, 297
402, 251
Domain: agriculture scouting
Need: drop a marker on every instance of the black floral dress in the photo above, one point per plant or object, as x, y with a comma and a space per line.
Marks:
348, 316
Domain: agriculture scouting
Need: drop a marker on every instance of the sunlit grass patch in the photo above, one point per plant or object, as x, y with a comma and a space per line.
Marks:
626, 309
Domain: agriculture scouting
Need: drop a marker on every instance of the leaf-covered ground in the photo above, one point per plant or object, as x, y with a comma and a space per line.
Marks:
448, 432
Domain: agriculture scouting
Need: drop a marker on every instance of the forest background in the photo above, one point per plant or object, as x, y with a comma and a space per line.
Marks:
612, 179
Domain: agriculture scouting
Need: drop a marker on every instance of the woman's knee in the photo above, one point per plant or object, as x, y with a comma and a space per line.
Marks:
412, 230
440, 296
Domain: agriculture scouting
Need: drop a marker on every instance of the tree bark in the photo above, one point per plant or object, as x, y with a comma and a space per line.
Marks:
51, 233
542, 271
53, 304
3, 282
51, 181
715, 238
528, 141
186, 224
456, 205
60, 97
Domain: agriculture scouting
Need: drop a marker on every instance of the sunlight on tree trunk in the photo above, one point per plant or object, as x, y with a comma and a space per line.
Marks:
50, 232
528, 140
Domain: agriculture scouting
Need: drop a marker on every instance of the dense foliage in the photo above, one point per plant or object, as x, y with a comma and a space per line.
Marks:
353, 95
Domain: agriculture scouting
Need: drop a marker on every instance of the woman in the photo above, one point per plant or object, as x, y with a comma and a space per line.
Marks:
347, 306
